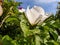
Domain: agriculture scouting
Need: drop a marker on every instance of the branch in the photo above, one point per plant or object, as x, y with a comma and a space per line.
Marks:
3, 20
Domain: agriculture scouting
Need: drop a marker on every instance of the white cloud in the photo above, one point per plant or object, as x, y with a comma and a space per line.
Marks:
46, 1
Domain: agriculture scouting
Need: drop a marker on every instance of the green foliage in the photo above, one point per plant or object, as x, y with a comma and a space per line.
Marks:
16, 30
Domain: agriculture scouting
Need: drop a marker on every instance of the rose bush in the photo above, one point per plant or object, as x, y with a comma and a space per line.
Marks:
16, 30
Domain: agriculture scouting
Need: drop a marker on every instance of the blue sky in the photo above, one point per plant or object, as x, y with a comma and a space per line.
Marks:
48, 5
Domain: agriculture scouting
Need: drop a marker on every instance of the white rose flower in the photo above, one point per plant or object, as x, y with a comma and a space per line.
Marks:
36, 15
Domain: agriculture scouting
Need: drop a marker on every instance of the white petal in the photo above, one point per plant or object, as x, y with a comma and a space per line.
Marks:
33, 16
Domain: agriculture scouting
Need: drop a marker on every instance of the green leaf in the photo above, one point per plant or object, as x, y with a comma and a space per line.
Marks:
6, 40
6, 37
52, 42
14, 42
54, 34
11, 19
5, 1
37, 40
